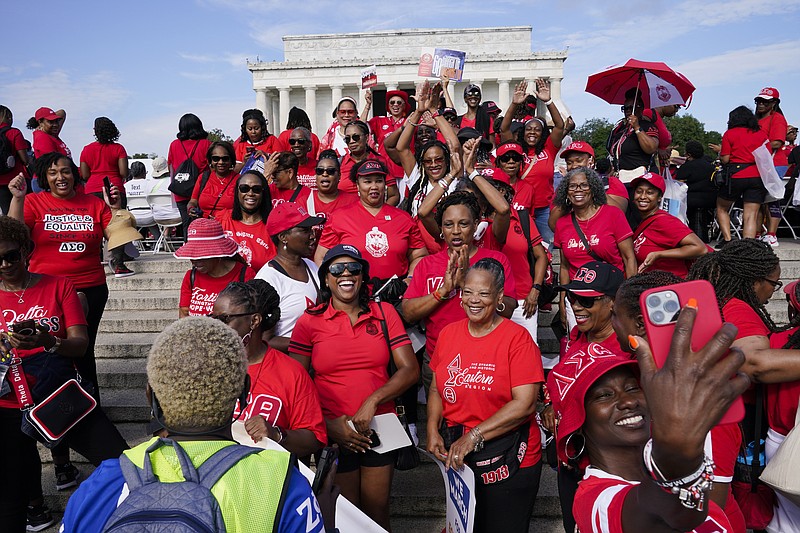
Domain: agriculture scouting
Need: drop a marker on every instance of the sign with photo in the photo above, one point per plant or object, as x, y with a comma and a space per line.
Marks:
434, 62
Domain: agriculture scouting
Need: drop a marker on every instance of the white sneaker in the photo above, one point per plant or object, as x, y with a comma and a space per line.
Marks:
772, 240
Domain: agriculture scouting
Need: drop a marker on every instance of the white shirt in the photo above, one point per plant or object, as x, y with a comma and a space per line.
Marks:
296, 296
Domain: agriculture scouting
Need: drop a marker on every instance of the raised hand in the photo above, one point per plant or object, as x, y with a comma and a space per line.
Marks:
542, 90
520, 93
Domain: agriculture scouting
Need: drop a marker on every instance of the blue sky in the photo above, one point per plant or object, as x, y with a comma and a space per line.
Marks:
144, 64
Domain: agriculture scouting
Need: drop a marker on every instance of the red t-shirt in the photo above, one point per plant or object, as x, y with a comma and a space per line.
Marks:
103, 160
307, 174
467, 122
243, 149
285, 195
346, 184
745, 318
475, 375
68, 235
216, 198
775, 127
782, 398
383, 239
382, 127
516, 249
282, 391
601, 496
53, 303
44, 143
781, 157
349, 360
17, 142
661, 231
523, 192
284, 139
616, 188
604, 231
540, 176
255, 244
739, 144
325, 210
200, 297
180, 151
428, 276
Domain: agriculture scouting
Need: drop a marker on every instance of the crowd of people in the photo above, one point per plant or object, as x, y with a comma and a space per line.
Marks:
409, 257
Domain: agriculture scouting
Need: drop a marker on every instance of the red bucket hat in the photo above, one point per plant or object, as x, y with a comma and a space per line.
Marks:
399, 94
206, 239
568, 383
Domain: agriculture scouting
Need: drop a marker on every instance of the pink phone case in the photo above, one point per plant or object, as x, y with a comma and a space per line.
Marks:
660, 308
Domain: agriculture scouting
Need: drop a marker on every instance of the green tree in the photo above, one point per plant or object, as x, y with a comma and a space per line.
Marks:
595, 131
142, 155
685, 127
217, 134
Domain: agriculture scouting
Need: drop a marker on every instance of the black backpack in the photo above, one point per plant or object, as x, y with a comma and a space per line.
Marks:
7, 154
186, 176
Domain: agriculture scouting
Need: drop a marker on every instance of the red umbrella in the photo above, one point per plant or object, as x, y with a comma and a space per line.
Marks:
658, 84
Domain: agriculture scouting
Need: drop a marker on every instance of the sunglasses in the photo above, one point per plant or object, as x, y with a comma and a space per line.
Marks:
257, 189
11, 257
505, 158
395, 103
218, 158
300, 142
762, 101
630, 107
434, 161
450, 118
354, 137
226, 318
328, 171
337, 269
584, 301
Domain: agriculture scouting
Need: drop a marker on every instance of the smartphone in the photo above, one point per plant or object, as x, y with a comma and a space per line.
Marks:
26, 327
660, 309
107, 187
374, 439
326, 461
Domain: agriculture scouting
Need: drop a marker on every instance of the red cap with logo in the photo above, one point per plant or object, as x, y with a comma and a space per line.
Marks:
371, 167
578, 147
503, 149
288, 215
46, 113
768, 93
656, 180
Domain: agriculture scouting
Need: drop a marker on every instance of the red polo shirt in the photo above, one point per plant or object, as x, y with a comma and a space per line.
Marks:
346, 184
658, 232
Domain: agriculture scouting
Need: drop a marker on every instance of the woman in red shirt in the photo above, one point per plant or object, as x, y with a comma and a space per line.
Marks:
357, 137
215, 263
282, 404
19, 150
661, 241
104, 158
215, 197
46, 125
255, 138
743, 180
343, 340
191, 143
281, 169
345, 112
487, 372
327, 198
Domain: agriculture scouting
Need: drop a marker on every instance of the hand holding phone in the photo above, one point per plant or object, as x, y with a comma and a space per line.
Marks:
26, 327
107, 187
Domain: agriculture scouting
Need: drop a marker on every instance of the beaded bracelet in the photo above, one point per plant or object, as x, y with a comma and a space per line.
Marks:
691, 489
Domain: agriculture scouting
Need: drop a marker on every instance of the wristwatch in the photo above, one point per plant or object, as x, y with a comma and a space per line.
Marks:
537, 286
56, 345
281, 434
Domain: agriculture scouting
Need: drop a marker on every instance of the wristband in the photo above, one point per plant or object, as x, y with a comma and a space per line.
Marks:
473, 174
439, 298
537, 286
691, 490
56, 345
443, 184
435, 114
281, 434
548, 102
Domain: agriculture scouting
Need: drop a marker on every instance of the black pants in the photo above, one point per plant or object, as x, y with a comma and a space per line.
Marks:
5, 199
96, 297
568, 479
183, 210
507, 506
700, 221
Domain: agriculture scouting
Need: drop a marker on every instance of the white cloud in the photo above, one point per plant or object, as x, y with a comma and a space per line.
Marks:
764, 62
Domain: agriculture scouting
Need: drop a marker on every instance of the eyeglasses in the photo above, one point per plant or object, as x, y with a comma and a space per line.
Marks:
257, 189
337, 269
226, 318
578, 186
300, 142
328, 171
450, 118
346, 111
354, 137
11, 257
584, 301
630, 107
762, 101
434, 161
505, 158
775, 284
223, 158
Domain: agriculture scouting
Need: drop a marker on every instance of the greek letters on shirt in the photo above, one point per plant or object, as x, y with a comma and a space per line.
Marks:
37, 313
479, 376
265, 405
640, 240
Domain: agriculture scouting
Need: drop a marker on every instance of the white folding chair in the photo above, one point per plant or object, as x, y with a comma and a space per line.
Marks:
143, 214
165, 215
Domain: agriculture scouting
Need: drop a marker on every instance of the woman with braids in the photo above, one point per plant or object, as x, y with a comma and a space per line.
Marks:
283, 404
348, 340
298, 119
464, 417
327, 197
104, 158
255, 139
357, 136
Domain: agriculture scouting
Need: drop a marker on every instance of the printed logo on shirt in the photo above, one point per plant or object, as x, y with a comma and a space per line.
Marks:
640, 240
577, 243
476, 377
202, 301
371, 328
37, 313
377, 243
63, 223
265, 405
76, 247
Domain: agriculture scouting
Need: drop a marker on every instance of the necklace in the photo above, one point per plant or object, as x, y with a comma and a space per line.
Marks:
481, 333
22, 294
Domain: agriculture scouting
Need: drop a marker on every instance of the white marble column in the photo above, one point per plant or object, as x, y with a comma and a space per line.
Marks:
541, 109
555, 88
504, 97
311, 104
336, 95
284, 105
261, 100
267, 109
275, 127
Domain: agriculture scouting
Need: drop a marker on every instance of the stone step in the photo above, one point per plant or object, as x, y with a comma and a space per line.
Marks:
123, 345
123, 373
161, 263
170, 281
142, 300
127, 322
125, 405
404, 524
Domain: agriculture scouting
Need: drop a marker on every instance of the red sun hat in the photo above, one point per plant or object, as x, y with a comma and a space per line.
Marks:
568, 383
656, 180
768, 93
791, 292
579, 147
46, 113
503, 149
206, 239
288, 215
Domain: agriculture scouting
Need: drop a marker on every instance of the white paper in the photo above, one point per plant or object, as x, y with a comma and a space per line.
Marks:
390, 431
349, 518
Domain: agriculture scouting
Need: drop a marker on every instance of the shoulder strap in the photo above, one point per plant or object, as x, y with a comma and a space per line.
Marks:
219, 196
215, 466
192, 274
277, 266
583, 238
528, 169
525, 223
296, 193
242, 272
187, 468
645, 224
191, 156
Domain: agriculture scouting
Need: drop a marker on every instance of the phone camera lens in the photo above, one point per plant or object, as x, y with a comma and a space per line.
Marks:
653, 301
658, 317
671, 306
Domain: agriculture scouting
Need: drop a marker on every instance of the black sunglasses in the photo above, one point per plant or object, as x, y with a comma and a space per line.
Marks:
584, 301
630, 107
244, 188
11, 257
301, 142
330, 171
218, 158
226, 318
354, 137
505, 158
337, 269
762, 101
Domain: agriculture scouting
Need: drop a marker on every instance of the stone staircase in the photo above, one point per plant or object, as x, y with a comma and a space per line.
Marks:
140, 306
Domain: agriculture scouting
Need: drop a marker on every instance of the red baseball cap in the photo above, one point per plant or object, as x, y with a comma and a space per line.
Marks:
656, 180
768, 93
497, 174
46, 113
568, 383
288, 215
509, 147
791, 291
580, 147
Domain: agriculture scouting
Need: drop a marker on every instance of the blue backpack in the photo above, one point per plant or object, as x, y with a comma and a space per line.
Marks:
181, 507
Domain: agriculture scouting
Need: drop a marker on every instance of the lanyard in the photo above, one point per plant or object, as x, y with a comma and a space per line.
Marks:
16, 376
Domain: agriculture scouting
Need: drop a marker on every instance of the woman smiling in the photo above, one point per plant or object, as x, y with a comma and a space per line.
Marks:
213, 198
